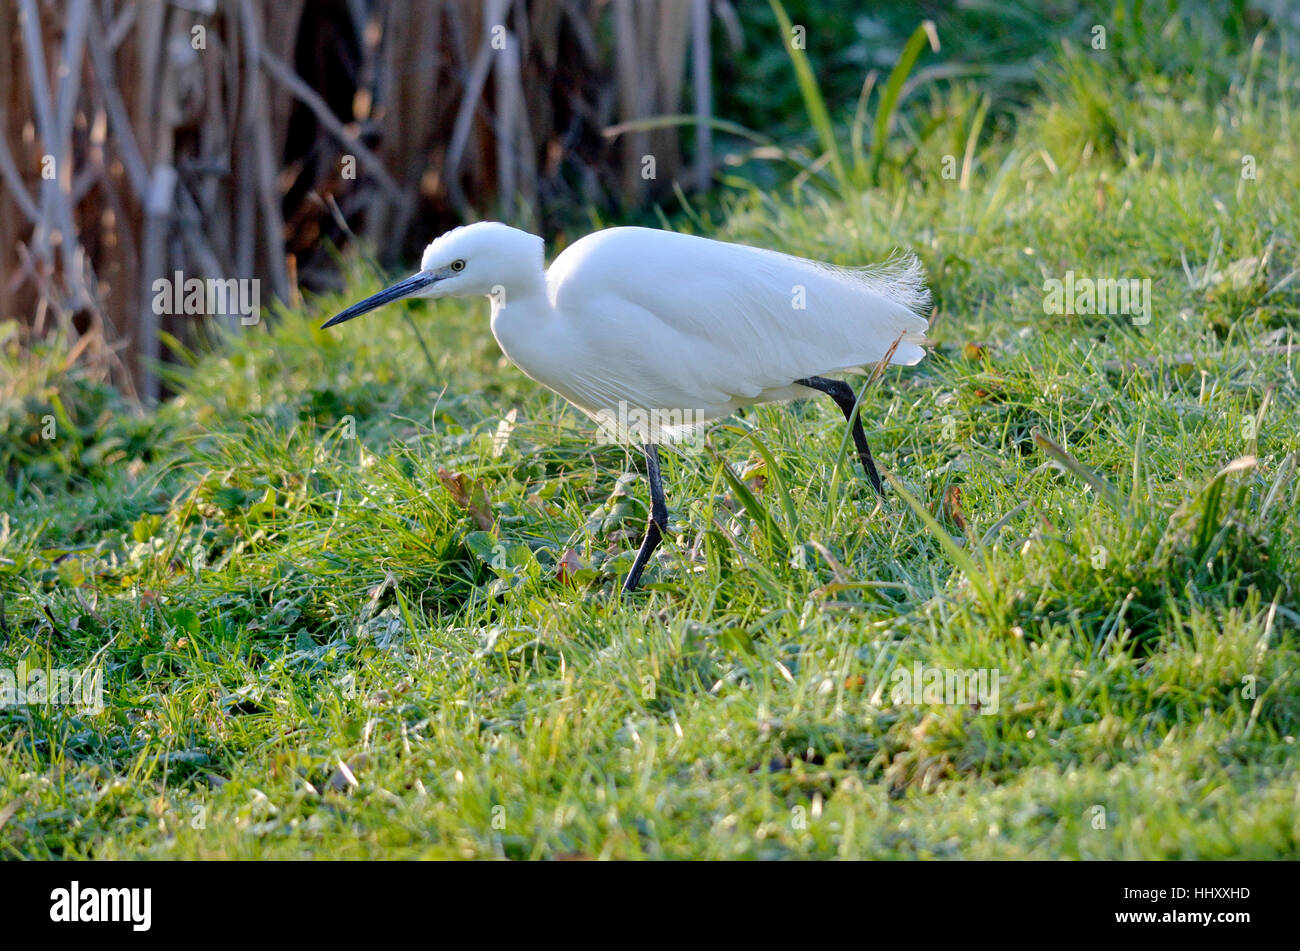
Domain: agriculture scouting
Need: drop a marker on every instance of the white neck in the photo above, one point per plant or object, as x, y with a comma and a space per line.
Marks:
532, 334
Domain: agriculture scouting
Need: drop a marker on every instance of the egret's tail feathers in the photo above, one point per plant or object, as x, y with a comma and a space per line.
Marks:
878, 304
900, 279
899, 283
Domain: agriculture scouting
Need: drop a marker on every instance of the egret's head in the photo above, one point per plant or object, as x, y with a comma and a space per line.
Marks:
487, 258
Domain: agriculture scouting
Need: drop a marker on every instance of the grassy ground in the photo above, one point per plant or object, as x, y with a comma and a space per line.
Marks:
317, 643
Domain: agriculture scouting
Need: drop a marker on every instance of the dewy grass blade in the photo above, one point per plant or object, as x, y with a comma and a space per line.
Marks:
1104, 489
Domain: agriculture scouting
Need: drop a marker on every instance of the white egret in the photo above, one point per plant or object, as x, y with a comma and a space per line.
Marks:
639, 325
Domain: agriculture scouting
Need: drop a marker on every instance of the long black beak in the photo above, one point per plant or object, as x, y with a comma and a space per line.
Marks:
401, 289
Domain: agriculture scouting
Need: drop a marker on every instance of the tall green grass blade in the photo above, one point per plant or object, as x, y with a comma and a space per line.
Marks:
750, 503
968, 160
856, 147
674, 120
813, 101
891, 94
1214, 501
773, 473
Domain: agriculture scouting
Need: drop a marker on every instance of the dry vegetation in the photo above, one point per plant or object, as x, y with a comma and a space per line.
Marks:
234, 138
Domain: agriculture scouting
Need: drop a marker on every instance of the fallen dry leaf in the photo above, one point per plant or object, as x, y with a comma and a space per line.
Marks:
468, 494
952, 506
568, 566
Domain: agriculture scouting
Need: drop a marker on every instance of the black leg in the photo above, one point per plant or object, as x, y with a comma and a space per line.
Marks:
654, 531
843, 396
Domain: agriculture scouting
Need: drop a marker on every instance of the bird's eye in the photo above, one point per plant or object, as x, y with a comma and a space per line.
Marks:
458, 265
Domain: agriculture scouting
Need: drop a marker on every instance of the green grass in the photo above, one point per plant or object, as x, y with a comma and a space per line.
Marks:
315, 645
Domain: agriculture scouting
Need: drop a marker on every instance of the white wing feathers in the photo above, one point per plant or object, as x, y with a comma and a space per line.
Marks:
691, 322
